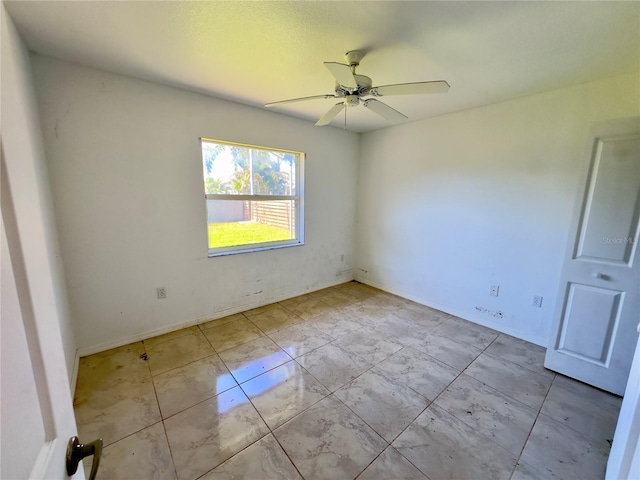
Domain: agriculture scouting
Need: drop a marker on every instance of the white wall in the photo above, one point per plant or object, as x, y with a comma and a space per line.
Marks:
30, 197
126, 175
451, 205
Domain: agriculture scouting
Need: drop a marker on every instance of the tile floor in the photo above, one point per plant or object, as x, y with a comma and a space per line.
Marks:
348, 382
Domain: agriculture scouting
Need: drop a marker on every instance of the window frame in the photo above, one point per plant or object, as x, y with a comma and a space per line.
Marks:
298, 202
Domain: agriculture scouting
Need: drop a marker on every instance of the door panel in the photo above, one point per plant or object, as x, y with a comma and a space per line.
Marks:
594, 327
591, 342
611, 211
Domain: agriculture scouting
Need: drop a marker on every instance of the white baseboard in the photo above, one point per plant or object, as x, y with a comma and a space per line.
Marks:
83, 352
457, 313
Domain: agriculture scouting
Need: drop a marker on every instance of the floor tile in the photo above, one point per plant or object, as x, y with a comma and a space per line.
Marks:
335, 298
111, 368
504, 420
310, 307
264, 460
298, 299
142, 455
183, 387
384, 357
387, 407
275, 319
328, 441
525, 471
585, 409
153, 341
264, 308
372, 346
221, 321
467, 332
419, 371
455, 354
178, 352
211, 432
424, 317
384, 299
557, 451
517, 382
359, 290
398, 328
333, 366
442, 446
335, 323
118, 411
373, 308
253, 358
518, 351
391, 465
232, 334
283, 392
300, 339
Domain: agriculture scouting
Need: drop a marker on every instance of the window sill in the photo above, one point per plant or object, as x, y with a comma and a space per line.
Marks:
253, 249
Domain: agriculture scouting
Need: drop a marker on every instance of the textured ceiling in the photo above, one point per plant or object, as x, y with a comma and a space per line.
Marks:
258, 52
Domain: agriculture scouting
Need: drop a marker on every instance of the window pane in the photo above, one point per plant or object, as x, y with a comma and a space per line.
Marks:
274, 173
237, 222
232, 169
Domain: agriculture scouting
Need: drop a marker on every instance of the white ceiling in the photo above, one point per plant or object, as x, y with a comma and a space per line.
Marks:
258, 52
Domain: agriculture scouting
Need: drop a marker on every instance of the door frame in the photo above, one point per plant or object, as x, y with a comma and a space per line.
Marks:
625, 451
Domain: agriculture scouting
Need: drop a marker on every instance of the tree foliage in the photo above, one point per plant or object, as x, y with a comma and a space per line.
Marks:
270, 171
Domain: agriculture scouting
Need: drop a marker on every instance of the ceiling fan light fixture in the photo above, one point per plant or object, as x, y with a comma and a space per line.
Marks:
352, 100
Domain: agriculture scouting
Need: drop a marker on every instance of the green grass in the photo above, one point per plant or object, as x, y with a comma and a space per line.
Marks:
244, 233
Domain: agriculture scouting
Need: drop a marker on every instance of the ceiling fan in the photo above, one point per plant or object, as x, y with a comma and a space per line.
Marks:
352, 87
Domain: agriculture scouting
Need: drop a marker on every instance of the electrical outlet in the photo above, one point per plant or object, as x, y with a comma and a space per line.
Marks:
537, 301
162, 292
494, 290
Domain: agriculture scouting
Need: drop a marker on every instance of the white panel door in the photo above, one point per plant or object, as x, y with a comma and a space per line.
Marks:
36, 409
594, 332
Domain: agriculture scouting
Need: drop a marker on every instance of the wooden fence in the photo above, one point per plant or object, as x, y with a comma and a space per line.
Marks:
277, 213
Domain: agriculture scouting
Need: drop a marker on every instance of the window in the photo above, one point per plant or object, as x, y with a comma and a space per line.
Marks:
254, 197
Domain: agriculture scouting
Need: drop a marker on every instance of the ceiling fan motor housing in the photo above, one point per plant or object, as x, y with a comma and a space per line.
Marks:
364, 85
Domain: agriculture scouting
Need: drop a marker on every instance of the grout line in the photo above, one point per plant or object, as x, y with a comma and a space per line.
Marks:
287, 454
532, 427
164, 428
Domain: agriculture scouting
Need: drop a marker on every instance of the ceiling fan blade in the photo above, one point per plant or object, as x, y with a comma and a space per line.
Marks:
384, 110
342, 74
331, 114
314, 97
439, 86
